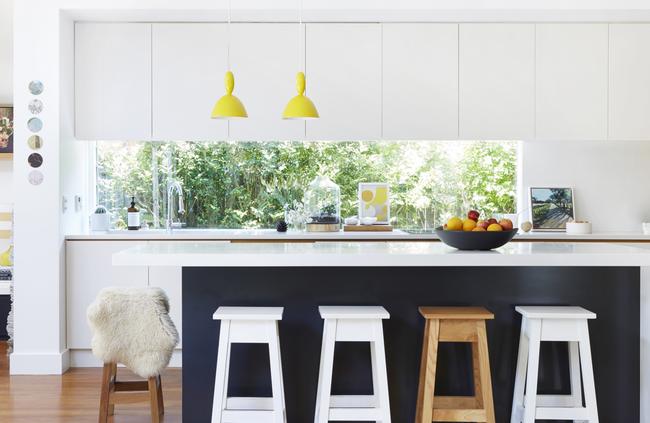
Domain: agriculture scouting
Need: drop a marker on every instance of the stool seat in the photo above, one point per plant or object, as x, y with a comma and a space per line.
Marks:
353, 312
248, 313
456, 313
555, 312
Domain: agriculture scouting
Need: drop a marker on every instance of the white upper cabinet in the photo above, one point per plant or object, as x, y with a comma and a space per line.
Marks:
344, 81
497, 81
189, 64
571, 78
264, 59
112, 81
629, 82
420, 81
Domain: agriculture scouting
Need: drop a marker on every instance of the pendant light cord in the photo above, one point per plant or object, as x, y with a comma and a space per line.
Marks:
228, 34
301, 63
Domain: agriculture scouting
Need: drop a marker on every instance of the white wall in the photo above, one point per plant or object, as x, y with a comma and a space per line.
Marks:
610, 179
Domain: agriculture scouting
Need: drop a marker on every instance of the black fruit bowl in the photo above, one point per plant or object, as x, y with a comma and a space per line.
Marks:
475, 240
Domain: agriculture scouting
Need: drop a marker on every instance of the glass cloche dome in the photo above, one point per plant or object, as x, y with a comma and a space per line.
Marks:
323, 205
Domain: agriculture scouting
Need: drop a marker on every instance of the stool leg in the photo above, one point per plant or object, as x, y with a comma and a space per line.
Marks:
111, 407
325, 373
520, 378
574, 374
476, 370
588, 373
424, 408
276, 373
221, 373
530, 402
161, 403
153, 399
486, 378
105, 393
380, 372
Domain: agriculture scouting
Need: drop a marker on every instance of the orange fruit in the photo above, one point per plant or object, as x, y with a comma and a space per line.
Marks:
469, 225
495, 227
479, 229
454, 224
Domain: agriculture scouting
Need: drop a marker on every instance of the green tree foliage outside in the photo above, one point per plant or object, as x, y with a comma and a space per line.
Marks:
248, 184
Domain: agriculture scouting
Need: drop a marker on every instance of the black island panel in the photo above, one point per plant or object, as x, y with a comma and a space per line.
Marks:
612, 293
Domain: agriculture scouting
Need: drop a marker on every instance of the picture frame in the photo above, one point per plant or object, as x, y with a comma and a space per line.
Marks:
6, 132
551, 208
374, 201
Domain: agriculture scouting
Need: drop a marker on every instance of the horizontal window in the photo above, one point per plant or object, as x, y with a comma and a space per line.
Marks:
253, 184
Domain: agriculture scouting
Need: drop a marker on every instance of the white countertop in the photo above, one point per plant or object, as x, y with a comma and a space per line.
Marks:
273, 235
225, 254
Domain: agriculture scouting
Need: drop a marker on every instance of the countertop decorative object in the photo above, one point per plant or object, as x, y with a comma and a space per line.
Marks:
472, 240
368, 228
578, 228
281, 226
323, 204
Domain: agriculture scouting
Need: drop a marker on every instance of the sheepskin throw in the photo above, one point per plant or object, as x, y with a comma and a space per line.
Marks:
132, 326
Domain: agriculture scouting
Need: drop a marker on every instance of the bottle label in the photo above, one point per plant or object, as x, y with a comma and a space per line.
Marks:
133, 219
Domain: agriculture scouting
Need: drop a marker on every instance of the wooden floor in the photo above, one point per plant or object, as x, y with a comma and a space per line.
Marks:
74, 397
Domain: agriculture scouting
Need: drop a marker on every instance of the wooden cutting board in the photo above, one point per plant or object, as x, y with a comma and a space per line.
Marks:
368, 228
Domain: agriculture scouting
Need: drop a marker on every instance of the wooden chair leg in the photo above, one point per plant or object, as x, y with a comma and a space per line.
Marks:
105, 392
161, 403
111, 406
154, 402
424, 408
486, 378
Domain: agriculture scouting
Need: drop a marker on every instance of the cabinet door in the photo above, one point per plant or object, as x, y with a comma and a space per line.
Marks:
89, 268
113, 81
420, 81
629, 82
264, 60
344, 81
189, 64
571, 81
170, 279
497, 81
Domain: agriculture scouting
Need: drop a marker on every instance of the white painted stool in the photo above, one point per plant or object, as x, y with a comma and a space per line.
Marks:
554, 324
250, 325
353, 324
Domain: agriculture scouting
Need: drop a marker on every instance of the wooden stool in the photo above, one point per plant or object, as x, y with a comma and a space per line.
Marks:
353, 324
455, 324
554, 324
114, 392
249, 325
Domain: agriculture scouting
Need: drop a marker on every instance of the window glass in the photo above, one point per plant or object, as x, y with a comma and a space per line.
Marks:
252, 184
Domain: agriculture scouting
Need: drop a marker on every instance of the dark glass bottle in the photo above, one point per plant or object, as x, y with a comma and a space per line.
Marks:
133, 216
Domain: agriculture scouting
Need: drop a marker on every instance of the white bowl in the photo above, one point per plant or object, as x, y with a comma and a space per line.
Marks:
368, 220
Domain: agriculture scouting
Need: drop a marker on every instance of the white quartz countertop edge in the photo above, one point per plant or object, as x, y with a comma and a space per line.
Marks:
379, 254
270, 234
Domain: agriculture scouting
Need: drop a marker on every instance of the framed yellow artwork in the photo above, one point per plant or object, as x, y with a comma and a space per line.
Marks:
374, 201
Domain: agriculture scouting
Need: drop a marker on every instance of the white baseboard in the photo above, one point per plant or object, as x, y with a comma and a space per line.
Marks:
39, 363
85, 358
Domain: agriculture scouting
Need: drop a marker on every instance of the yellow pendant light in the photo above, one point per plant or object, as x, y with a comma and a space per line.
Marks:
229, 106
300, 106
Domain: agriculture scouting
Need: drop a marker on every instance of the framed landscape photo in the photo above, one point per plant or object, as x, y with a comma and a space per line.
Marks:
6, 132
551, 208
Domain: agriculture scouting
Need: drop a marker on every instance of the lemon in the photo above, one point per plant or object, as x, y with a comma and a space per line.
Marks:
468, 225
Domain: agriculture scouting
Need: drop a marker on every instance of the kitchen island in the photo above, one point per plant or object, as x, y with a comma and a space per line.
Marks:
604, 278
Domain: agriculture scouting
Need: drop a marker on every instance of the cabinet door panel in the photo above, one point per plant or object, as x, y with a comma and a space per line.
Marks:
571, 81
89, 269
344, 81
189, 64
113, 81
420, 81
497, 81
264, 59
629, 82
